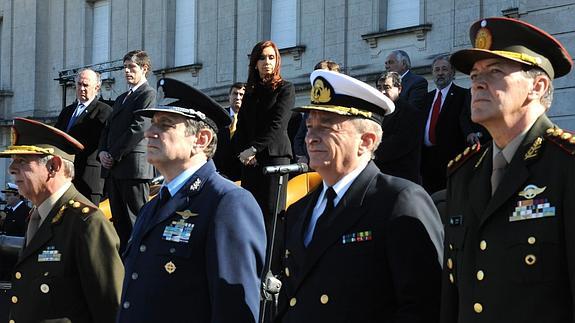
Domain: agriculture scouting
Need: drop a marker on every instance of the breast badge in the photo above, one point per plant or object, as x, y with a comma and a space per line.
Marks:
178, 231
185, 214
532, 208
356, 237
49, 254
170, 267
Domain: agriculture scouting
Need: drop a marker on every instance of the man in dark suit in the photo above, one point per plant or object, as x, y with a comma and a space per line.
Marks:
447, 126
364, 246
399, 153
510, 228
198, 248
225, 158
84, 120
414, 87
123, 147
69, 269
15, 215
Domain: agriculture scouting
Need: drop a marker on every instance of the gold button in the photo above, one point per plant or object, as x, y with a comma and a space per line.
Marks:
18, 275
478, 308
292, 302
450, 246
286, 270
451, 278
466, 151
483, 245
14, 299
480, 275
324, 299
86, 210
530, 260
76, 204
449, 263
458, 158
11, 321
531, 240
71, 202
558, 132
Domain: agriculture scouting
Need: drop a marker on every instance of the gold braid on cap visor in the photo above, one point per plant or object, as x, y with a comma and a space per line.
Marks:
520, 56
32, 149
342, 110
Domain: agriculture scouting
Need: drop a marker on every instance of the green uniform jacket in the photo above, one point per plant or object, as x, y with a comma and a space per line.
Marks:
511, 257
71, 269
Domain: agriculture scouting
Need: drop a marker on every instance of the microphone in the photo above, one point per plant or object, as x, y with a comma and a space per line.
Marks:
285, 169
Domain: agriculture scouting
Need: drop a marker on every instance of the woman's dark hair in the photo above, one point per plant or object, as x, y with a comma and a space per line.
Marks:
272, 81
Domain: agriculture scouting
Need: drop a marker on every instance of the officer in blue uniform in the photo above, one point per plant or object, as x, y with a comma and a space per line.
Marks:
510, 248
197, 249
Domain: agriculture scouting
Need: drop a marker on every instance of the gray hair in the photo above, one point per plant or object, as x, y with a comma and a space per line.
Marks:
402, 56
98, 76
442, 58
194, 126
67, 165
547, 97
365, 125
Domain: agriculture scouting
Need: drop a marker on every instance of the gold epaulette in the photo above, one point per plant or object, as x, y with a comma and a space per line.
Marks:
75, 205
562, 138
460, 159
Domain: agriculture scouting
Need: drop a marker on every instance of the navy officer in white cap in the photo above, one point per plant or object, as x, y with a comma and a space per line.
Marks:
364, 246
197, 249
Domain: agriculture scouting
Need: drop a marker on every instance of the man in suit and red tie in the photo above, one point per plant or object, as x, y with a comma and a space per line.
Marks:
447, 127
84, 120
123, 146
364, 246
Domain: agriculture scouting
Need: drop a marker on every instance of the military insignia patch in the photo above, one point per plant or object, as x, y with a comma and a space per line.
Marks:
530, 191
483, 38
321, 92
185, 214
50, 254
170, 267
178, 231
532, 209
356, 237
195, 185
534, 149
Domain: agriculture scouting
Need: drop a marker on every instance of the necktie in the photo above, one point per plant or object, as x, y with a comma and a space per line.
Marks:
233, 124
33, 225
499, 166
162, 198
434, 116
75, 116
126, 97
316, 224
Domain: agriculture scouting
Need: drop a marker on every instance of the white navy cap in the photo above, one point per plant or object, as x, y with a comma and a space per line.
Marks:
338, 93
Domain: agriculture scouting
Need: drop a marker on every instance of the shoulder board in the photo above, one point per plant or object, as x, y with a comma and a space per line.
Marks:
562, 138
460, 159
77, 207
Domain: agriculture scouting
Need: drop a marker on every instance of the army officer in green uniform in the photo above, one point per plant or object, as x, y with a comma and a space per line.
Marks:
69, 269
510, 232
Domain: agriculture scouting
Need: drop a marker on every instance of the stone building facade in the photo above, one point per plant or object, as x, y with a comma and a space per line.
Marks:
206, 43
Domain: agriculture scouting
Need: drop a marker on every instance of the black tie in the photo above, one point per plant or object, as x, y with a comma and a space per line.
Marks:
163, 198
324, 219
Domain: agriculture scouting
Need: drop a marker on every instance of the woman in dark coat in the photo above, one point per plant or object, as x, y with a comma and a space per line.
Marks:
261, 138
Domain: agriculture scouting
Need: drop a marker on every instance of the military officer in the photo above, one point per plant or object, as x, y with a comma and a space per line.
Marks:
197, 249
364, 246
510, 236
16, 213
69, 269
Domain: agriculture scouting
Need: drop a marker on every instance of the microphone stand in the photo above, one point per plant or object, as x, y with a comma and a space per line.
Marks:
271, 285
